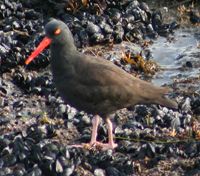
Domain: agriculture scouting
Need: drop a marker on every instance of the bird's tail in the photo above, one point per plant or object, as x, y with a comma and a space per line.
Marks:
167, 102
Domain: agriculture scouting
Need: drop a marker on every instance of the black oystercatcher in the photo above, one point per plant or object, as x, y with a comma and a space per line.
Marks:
92, 84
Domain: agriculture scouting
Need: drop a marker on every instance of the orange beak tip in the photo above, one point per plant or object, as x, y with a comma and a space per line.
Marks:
46, 41
26, 62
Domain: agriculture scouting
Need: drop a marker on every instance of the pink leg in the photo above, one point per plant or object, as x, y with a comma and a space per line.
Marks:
110, 135
95, 123
111, 144
93, 141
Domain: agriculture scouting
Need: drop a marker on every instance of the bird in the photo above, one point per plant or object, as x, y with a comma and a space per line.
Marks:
92, 84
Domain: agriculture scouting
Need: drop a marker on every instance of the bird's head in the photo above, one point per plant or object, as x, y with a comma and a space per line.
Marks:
56, 32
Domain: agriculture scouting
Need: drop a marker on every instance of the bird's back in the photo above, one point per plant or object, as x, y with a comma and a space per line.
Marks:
98, 86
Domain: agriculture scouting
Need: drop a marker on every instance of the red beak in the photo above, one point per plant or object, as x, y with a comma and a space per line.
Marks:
45, 42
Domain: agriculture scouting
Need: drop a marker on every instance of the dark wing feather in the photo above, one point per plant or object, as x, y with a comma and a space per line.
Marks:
103, 81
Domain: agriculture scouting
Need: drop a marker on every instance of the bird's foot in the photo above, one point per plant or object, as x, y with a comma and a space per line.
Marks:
79, 145
106, 146
86, 146
83, 145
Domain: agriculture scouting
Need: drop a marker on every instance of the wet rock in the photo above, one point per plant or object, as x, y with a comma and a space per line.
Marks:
18, 105
99, 172
194, 16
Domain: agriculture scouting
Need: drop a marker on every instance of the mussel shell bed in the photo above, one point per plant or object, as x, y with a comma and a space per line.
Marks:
33, 146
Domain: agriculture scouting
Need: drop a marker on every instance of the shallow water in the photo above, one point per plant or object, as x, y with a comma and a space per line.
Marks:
184, 45
154, 4
167, 55
171, 56
170, 53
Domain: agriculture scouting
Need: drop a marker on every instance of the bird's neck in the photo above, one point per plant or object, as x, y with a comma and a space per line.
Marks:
62, 59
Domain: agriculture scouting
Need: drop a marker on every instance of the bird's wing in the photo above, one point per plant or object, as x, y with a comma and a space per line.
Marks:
104, 81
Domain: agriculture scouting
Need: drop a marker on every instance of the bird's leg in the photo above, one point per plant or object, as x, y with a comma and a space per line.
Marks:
110, 134
111, 144
95, 123
93, 141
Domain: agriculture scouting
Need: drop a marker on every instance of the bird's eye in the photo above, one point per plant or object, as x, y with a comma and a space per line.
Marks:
57, 31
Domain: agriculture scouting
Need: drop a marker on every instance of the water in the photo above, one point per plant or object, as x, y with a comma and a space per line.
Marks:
171, 54
185, 42
166, 54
